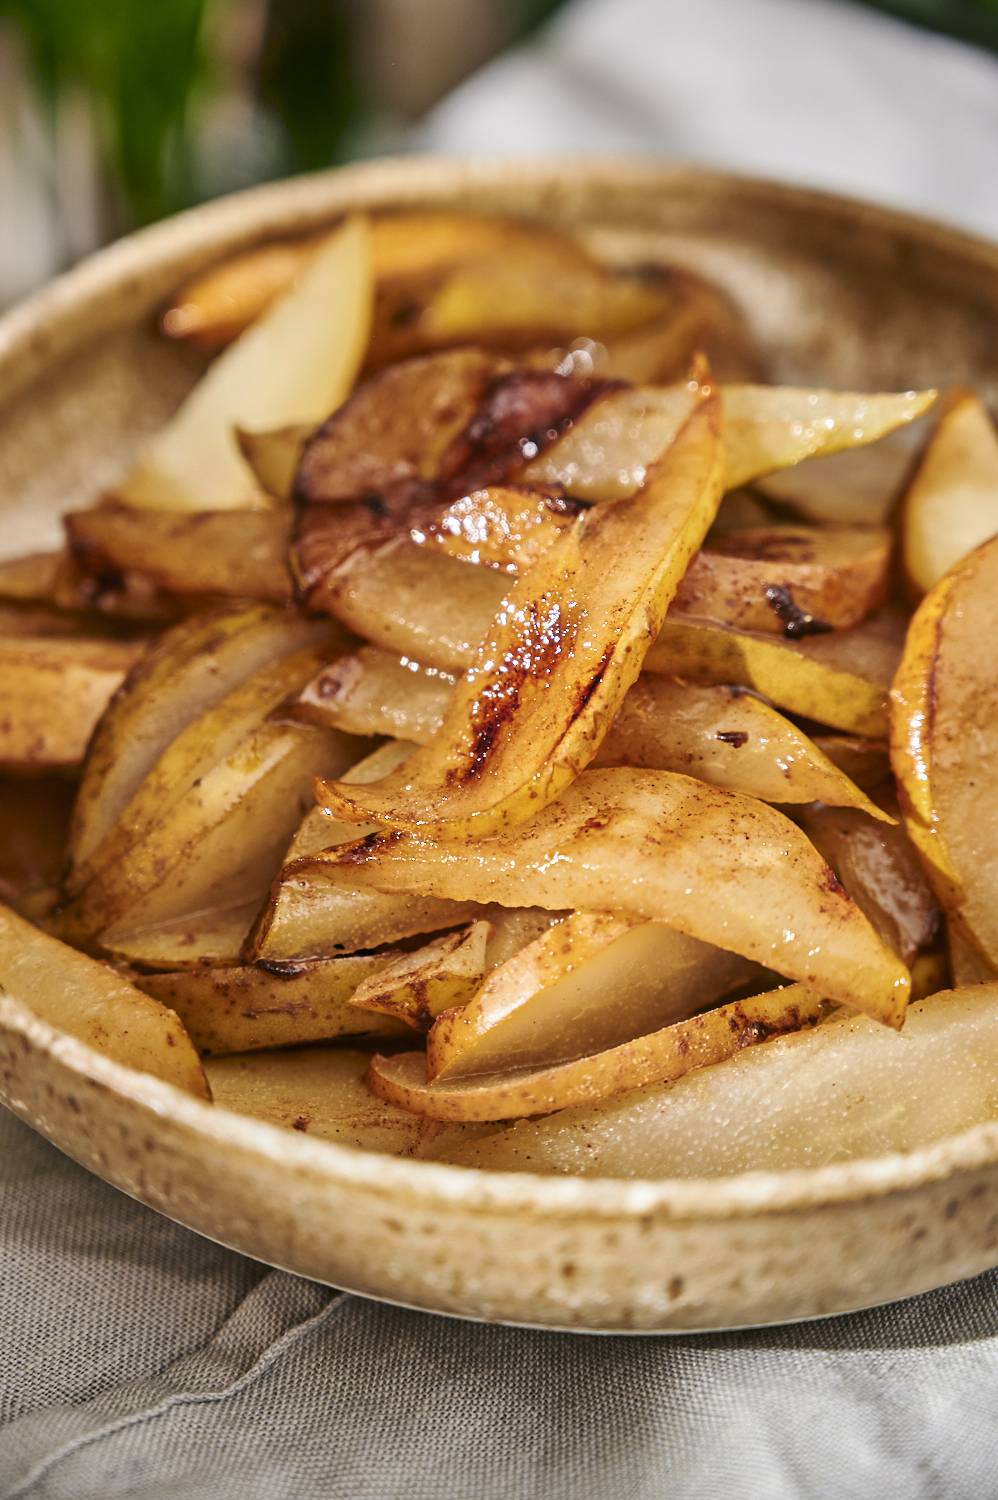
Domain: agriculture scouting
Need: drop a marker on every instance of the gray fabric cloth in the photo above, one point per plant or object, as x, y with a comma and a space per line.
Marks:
139, 1361
818, 92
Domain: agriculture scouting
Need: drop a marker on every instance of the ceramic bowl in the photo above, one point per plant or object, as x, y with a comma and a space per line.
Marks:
837, 293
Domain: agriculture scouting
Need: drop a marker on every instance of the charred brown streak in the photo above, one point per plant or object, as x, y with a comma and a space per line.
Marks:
492, 714
734, 737
544, 638
327, 533
585, 693
520, 415
796, 621
282, 968
366, 848
830, 882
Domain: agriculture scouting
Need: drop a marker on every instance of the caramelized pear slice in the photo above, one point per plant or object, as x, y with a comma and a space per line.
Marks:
416, 987
566, 645
951, 502
660, 1056
717, 866
844, 1091
89, 1001
293, 366
247, 1007
313, 916
607, 451
944, 744
720, 734
591, 982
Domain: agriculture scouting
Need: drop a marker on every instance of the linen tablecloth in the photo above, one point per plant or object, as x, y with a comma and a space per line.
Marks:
139, 1361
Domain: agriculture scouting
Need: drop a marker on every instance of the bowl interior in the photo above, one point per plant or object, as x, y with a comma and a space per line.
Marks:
836, 293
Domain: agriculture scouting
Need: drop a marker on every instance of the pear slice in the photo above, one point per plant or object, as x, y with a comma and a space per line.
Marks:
186, 673
840, 679
217, 305
660, 1056
196, 940
318, 916
293, 366
87, 1000
247, 1007
320, 1091
720, 734
52, 694
789, 580
416, 987
842, 1091
197, 749
566, 645
606, 453
877, 864
944, 728
591, 982
222, 554
245, 805
717, 866
274, 453
435, 610
951, 503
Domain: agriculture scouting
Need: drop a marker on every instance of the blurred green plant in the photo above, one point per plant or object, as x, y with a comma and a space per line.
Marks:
138, 65
144, 67
969, 20
308, 77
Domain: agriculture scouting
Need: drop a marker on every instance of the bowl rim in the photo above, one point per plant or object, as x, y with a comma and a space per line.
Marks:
275, 210
47, 325
483, 1190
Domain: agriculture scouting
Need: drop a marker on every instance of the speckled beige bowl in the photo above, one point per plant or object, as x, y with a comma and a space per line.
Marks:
836, 292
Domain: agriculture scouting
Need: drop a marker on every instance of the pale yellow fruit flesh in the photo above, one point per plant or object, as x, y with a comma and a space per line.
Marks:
374, 692
856, 487
192, 941
879, 868
318, 1091
589, 983
668, 1053
89, 1001
720, 867
865, 761
840, 1092
944, 713
607, 451
293, 366
951, 503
